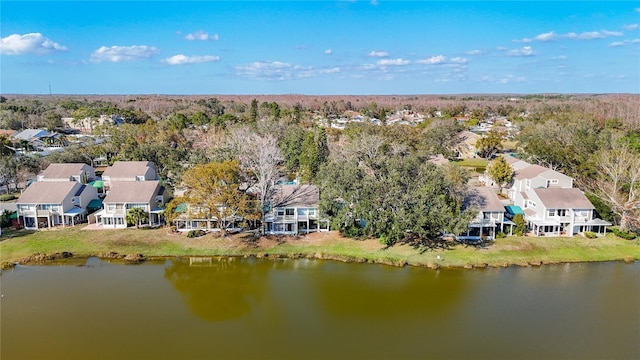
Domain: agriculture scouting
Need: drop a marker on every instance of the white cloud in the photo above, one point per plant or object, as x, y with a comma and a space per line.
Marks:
524, 51
560, 57
32, 43
438, 59
475, 52
397, 61
182, 59
630, 27
588, 35
379, 54
202, 36
459, 60
625, 42
123, 53
328, 52
277, 70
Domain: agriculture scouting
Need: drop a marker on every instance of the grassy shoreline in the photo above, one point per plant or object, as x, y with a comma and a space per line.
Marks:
19, 246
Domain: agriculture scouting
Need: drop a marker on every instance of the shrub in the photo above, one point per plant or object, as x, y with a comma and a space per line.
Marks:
628, 235
7, 197
590, 235
521, 225
500, 235
195, 233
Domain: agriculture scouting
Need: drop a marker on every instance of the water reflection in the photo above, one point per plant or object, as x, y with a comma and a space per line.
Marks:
218, 289
389, 293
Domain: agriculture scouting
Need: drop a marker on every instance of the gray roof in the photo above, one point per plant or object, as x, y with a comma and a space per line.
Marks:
558, 198
484, 198
28, 134
127, 169
132, 192
536, 170
64, 171
296, 196
48, 192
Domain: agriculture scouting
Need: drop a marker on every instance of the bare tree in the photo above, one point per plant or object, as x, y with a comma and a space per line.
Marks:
260, 157
618, 183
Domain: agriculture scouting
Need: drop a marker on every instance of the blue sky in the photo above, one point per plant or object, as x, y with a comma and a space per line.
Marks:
319, 47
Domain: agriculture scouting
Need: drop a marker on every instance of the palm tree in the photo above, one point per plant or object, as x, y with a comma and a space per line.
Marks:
137, 216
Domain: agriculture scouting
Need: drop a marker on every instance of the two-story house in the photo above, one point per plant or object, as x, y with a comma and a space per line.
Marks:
558, 211
126, 195
45, 204
293, 209
78, 172
536, 177
128, 171
490, 218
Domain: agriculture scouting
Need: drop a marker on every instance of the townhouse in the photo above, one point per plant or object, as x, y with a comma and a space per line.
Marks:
293, 210
45, 204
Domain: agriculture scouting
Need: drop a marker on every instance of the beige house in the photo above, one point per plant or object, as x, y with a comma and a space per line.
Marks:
466, 148
126, 195
490, 218
560, 211
293, 210
46, 204
129, 171
78, 172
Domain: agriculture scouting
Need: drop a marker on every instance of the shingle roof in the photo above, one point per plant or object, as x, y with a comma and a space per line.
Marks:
132, 192
48, 192
535, 170
63, 171
296, 196
485, 198
28, 134
558, 198
127, 169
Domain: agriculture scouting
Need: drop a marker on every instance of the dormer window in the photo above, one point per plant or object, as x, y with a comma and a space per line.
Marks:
139, 178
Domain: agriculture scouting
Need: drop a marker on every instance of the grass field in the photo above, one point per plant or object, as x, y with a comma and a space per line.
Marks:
16, 246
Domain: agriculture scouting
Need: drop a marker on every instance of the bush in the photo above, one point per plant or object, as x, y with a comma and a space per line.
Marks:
7, 197
500, 235
195, 233
628, 235
590, 235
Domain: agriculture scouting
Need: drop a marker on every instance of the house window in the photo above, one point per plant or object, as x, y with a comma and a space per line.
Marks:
552, 182
527, 184
562, 212
312, 212
111, 207
280, 212
139, 178
531, 204
289, 212
552, 212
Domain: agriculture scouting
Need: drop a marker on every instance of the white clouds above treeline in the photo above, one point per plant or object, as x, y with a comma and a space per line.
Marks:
587, 35
123, 53
32, 43
201, 36
183, 59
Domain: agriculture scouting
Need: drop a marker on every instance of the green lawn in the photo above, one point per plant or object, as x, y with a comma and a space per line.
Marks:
478, 164
15, 246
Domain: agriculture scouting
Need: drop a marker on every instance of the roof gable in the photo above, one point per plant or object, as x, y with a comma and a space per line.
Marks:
48, 192
132, 192
560, 198
484, 198
64, 171
296, 196
128, 169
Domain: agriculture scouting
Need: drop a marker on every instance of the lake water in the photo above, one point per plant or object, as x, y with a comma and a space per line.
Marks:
237, 308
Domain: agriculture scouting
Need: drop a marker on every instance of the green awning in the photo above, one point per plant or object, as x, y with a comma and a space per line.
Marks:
97, 184
95, 204
14, 215
514, 210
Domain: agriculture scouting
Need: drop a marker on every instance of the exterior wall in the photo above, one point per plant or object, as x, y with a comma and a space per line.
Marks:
294, 221
89, 193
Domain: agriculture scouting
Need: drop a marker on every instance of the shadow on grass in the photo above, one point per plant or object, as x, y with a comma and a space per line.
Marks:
10, 233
